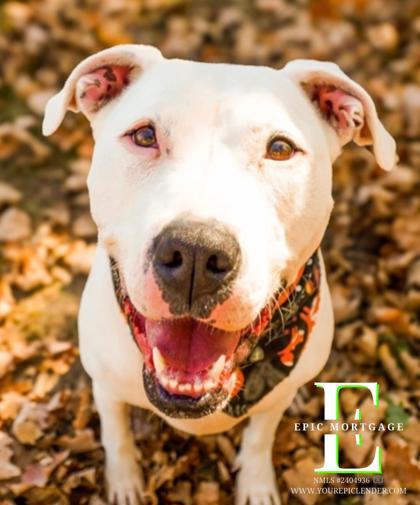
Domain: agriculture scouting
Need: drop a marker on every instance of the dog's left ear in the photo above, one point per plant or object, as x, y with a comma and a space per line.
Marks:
97, 80
345, 105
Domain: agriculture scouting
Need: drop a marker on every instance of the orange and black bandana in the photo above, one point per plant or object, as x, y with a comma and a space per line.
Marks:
284, 328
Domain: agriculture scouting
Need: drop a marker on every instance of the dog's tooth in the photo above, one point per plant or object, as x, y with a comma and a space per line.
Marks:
209, 384
173, 383
198, 387
163, 380
217, 368
158, 361
232, 382
181, 387
187, 387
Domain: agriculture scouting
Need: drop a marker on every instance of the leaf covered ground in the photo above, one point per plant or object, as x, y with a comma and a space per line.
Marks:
49, 429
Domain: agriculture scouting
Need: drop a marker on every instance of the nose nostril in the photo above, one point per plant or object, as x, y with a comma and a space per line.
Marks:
174, 260
216, 265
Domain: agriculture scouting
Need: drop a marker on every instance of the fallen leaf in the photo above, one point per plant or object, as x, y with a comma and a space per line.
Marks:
7, 469
391, 367
226, 448
85, 477
6, 362
84, 227
82, 441
10, 405
400, 465
15, 224
208, 493
301, 475
9, 194
27, 427
395, 413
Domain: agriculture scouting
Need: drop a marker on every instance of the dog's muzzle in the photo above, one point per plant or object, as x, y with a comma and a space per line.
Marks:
195, 264
192, 368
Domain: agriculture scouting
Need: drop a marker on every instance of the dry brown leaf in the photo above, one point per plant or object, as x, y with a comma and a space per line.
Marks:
87, 476
27, 432
15, 224
357, 455
84, 409
345, 302
6, 362
7, 469
10, 405
7, 300
181, 493
411, 432
400, 465
84, 227
208, 494
9, 194
301, 475
29, 423
80, 257
391, 367
35, 475
44, 383
82, 441
226, 448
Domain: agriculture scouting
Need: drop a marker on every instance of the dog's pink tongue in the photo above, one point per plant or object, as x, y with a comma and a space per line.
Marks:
189, 345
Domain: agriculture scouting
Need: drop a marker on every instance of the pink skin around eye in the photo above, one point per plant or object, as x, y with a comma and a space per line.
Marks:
152, 152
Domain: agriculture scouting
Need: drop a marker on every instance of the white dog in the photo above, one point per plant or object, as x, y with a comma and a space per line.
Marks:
211, 188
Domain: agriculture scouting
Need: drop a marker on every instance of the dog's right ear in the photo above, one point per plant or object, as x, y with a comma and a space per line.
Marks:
345, 106
97, 80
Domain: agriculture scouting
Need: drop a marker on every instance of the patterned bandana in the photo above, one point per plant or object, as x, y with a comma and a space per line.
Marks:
278, 337
284, 328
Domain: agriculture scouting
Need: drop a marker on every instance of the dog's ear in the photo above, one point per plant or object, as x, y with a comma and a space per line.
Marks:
345, 105
97, 80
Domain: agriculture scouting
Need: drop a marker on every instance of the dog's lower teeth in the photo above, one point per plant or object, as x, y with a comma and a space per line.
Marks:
209, 385
185, 387
198, 387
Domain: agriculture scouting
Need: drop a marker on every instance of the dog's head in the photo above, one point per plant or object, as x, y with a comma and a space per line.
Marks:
210, 186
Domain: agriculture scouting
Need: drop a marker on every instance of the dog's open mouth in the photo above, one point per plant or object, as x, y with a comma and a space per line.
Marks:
190, 357
190, 366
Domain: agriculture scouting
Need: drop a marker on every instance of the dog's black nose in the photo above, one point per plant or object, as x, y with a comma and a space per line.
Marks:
194, 264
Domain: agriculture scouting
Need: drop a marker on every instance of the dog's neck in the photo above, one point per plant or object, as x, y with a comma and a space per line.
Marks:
276, 339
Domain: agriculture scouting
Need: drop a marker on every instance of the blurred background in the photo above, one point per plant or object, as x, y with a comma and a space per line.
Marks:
49, 445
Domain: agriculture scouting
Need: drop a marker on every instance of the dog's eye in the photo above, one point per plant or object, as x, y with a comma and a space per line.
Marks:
145, 136
279, 149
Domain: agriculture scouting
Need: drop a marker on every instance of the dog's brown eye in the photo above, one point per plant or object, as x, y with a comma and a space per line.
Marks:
279, 149
145, 136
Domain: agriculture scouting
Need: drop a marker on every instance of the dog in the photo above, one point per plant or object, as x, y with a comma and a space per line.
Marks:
210, 186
